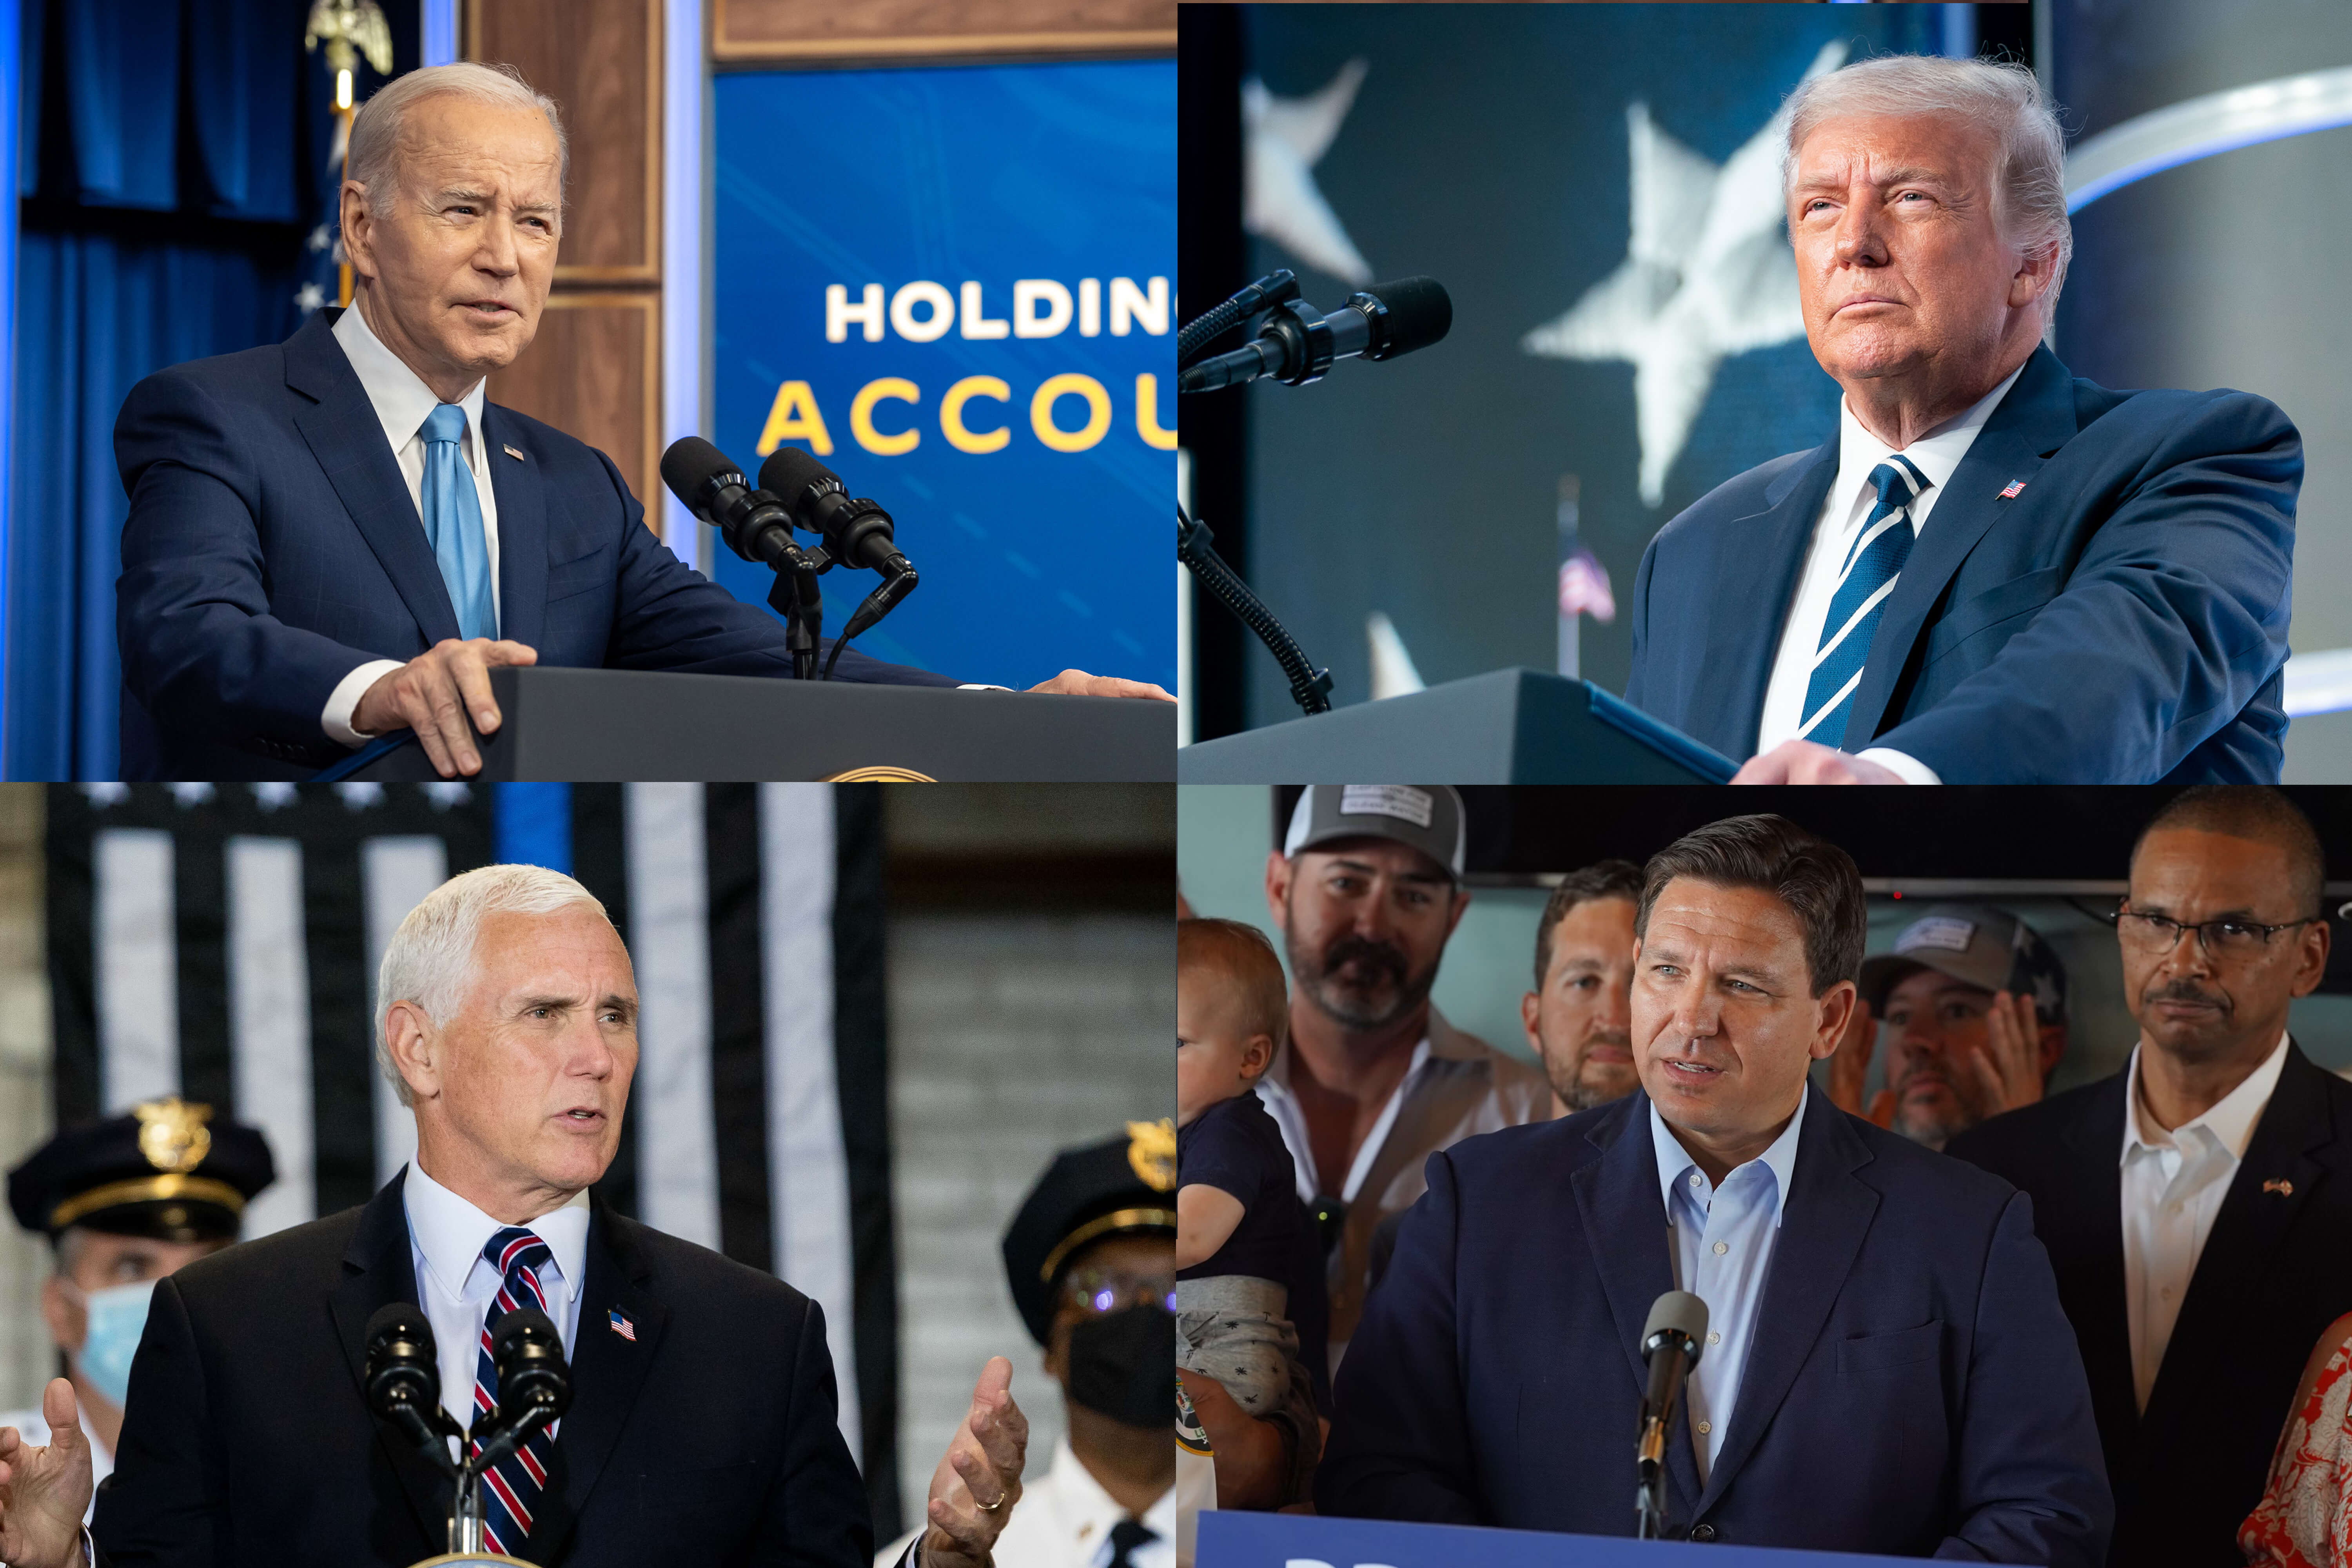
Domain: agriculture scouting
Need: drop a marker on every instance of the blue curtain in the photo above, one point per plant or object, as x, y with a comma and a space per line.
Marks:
164, 206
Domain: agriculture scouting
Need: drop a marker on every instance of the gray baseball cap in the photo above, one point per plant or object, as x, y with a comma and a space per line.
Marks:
1978, 946
1428, 818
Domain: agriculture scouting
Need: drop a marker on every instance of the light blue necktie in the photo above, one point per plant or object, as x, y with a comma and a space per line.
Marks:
452, 522
1871, 568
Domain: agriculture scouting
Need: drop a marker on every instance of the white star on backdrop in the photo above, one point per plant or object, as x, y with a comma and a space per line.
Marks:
308, 298
1707, 274
1285, 138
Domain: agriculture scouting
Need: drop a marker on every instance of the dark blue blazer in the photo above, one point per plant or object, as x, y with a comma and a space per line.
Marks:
272, 548
2123, 619
1912, 1386
2276, 1272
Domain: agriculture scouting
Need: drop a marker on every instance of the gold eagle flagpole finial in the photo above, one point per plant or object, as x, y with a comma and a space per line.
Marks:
349, 29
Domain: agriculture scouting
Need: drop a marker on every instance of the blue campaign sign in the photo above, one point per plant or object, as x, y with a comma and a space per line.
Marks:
955, 286
1293, 1541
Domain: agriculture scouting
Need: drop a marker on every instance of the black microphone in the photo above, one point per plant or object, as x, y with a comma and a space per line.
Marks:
402, 1381
857, 532
708, 484
534, 1384
1670, 1344
1297, 344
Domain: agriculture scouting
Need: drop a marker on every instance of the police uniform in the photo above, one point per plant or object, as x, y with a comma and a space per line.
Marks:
1124, 1185
167, 1169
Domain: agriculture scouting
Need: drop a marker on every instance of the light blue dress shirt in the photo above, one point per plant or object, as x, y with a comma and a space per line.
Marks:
1721, 1240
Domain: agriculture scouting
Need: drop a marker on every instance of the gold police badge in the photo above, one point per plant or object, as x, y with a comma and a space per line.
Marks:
172, 1133
1151, 1149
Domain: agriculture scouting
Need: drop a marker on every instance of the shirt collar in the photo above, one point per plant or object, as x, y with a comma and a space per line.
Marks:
398, 395
1937, 453
1086, 1513
1675, 1162
2231, 1120
451, 1233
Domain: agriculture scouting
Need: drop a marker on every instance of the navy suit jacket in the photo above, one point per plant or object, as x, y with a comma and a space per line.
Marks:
2275, 1271
2123, 619
272, 548
708, 1439
1912, 1386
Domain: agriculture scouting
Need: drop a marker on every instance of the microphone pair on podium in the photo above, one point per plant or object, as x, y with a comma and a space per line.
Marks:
795, 490
403, 1391
1670, 1342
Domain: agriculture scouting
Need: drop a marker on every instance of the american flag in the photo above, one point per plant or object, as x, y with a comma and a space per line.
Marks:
1585, 587
623, 1327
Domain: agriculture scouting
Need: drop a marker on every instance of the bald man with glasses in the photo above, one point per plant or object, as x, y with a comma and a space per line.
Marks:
2198, 1206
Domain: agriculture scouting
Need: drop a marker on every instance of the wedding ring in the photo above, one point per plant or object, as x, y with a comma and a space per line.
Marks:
988, 1507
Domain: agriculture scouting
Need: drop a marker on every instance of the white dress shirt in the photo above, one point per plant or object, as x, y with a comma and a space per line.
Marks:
1844, 511
455, 1284
401, 401
2173, 1184
1063, 1521
1721, 1241
1273, 1089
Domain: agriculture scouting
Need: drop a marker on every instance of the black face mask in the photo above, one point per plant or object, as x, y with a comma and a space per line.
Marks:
1123, 1366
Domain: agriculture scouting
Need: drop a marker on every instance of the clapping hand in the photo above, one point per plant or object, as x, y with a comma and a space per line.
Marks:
1850, 1068
2008, 1068
43, 1493
978, 1478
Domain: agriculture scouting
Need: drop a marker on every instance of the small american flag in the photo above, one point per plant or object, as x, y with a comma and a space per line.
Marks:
623, 1327
1585, 587
2015, 487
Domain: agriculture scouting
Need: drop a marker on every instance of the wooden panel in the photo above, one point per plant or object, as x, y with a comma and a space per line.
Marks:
835, 30
594, 373
601, 60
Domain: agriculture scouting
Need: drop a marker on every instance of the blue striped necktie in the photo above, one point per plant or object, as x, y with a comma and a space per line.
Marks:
510, 1490
452, 522
1870, 569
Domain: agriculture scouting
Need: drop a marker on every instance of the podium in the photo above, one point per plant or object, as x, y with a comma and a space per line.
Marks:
634, 726
1505, 727
1294, 1540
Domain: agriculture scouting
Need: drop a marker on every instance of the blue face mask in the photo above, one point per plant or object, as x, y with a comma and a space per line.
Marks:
118, 1316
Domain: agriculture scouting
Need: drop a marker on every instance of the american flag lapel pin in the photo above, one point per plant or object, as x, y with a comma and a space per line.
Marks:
2280, 1185
2016, 487
516, 452
623, 1327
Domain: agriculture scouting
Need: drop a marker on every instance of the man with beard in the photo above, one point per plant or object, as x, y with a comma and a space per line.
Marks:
1576, 1018
1366, 889
2196, 1203
1975, 1002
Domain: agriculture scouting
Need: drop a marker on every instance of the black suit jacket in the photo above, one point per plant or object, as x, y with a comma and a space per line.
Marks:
2276, 1270
711, 1439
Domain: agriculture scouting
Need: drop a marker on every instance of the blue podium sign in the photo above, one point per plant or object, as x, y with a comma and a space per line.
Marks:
1294, 1541
956, 287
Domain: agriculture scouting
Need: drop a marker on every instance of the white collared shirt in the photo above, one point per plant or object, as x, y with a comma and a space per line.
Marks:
1064, 1520
1274, 1088
1721, 1241
2173, 1184
455, 1283
401, 401
1844, 511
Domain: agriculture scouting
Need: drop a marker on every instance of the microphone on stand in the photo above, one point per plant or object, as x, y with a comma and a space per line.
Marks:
534, 1385
1297, 343
403, 1382
757, 527
1670, 1344
857, 532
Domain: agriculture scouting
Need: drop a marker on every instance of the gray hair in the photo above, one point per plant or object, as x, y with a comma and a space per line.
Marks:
376, 130
2029, 203
430, 960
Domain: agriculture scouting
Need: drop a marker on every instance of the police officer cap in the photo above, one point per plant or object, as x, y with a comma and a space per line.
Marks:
169, 1169
1122, 1185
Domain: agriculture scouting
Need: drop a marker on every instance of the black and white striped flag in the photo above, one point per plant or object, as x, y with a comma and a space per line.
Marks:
221, 943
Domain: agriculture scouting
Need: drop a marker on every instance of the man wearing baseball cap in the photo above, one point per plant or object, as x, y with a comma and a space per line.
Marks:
1974, 1002
1367, 889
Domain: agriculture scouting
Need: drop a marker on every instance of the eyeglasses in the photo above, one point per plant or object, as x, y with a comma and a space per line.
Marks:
2221, 939
1098, 1290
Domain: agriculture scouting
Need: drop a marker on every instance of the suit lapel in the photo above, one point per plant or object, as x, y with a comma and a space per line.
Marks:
2083, 1230
347, 440
522, 527
1823, 1224
607, 1372
2272, 1183
1624, 1222
1729, 700
2033, 421
378, 1271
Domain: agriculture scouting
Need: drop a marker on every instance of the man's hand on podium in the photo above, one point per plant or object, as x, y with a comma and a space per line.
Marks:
43, 1493
1804, 763
1079, 683
981, 1465
432, 694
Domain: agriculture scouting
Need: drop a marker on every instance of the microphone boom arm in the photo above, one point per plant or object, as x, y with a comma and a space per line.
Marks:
1309, 688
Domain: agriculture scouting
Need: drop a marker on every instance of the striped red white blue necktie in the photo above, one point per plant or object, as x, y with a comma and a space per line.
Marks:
510, 1488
